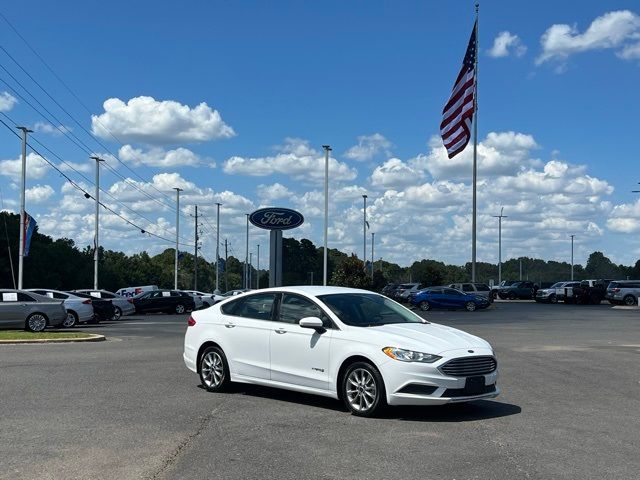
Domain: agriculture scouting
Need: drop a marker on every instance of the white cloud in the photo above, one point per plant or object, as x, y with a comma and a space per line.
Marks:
7, 101
613, 30
368, 147
48, 128
159, 157
295, 159
625, 218
86, 167
38, 194
505, 44
36, 167
147, 120
270, 193
394, 173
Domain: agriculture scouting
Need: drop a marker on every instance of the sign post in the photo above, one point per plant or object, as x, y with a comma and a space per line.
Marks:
276, 220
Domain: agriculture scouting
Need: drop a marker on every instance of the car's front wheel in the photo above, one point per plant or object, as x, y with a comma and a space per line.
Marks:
363, 390
117, 313
214, 370
553, 299
424, 306
470, 306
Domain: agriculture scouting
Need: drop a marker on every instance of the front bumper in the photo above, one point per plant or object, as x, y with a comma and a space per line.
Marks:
401, 376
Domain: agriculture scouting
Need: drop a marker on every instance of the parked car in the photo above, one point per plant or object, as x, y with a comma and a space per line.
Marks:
197, 299
208, 299
552, 294
589, 292
79, 309
502, 284
517, 290
445, 297
130, 292
168, 301
28, 310
121, 306
625, 292
405, 289
316, 340
233, 293
103, 309
389, 289
474, 288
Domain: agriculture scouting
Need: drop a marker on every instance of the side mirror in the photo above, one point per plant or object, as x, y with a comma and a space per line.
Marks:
312, 322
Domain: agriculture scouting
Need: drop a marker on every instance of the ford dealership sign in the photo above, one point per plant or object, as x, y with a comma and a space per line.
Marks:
274, 218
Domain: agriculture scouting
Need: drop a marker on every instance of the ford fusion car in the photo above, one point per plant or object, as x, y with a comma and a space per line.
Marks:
444, 297
343, 343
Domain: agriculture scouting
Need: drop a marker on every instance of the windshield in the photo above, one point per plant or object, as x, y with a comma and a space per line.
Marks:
368, 310
557, 285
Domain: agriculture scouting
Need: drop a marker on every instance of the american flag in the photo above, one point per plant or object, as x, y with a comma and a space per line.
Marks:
457, 114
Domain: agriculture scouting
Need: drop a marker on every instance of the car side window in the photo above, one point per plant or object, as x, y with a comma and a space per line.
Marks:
467, 287
482, 287
259, 306
23, 297
107, 295
294, 307
435, 291
60, 296
451, 291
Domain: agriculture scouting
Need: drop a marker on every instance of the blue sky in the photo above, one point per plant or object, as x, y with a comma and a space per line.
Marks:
557, 115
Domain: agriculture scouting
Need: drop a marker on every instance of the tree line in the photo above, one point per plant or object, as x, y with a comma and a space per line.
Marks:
61, 264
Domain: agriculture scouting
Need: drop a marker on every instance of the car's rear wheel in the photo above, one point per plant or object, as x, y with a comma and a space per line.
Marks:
553, 299
424, 306
36, 322
180, 309
214, 370
363, 390
470, 306
629, 300
117, 313
71, 320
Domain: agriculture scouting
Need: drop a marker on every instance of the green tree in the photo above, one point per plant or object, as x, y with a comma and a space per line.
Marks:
351, 273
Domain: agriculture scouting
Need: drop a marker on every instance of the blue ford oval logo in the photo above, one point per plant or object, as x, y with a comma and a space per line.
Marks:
273, 218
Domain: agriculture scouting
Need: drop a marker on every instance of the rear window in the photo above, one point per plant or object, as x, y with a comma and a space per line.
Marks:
257, 306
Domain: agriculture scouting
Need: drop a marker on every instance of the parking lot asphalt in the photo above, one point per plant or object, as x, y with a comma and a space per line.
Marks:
128, 408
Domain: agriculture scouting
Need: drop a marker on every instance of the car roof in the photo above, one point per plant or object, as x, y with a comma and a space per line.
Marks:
314, 290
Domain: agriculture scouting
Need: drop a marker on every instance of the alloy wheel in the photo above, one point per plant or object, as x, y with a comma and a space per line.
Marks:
424, 306
70, 321
470, 306
36, 322
117, 313
361, 390
212, 369
629, 301
180, 308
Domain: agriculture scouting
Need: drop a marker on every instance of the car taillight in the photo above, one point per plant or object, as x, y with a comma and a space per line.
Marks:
87, 302
616, 290
191, 322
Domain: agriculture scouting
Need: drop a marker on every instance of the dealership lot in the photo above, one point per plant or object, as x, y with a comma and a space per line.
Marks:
128, 408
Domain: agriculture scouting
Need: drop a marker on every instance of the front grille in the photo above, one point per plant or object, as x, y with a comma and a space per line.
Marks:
469, 366
462, 392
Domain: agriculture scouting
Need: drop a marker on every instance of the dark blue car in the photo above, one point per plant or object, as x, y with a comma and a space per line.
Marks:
444, 297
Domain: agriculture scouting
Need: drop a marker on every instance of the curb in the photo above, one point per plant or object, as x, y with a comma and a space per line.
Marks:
625, 307
93, 338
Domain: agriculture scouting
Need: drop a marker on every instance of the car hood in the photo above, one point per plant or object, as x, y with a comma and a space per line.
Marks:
426, 337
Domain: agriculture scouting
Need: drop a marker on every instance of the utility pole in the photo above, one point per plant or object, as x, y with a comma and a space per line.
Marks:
327, 149
175, 278
521, 269
195, 264
226, 257
373, 235
364, 231
258, 270
217, 247
572, 236
96, 242
246, 258
500, 217
23, 181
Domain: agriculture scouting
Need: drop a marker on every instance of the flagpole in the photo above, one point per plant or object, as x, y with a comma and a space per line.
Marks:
475, 158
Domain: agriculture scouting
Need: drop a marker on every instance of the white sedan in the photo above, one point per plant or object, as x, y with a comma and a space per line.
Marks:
343, 343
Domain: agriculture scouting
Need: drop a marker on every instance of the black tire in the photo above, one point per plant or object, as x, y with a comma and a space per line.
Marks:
355, 396
180, 309
117, 314
512, 296
553, 299
470, 306
424, 306
36, 322
629, 301
213, 369
71, 320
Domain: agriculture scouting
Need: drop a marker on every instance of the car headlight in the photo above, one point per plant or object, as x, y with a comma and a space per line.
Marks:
410, 355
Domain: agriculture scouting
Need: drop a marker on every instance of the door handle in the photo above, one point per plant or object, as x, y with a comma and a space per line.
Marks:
229, 325
281, 331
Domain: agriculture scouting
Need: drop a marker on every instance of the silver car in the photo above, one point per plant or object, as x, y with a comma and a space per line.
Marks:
79, 310
197, 299
625, 292
121, 305
33, 312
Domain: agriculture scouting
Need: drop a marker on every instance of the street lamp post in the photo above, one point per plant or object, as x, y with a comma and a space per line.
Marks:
96, 243
246, 258
373, 235
23, 181
218, 248
572, 236
500, 217
327, 149
364, 231
258, 270
175, 273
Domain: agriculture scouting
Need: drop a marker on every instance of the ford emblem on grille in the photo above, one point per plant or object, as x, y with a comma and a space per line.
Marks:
273, 218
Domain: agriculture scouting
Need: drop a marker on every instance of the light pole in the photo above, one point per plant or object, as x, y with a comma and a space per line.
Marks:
258, 270
572, 236
175, 273
246, 258
96, 242
23, 181
500, 217
373, 235
250, 268
364, 231
327, 149
218, 248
